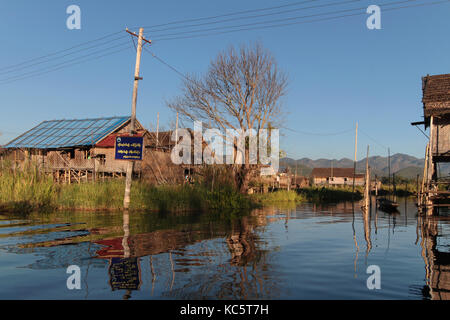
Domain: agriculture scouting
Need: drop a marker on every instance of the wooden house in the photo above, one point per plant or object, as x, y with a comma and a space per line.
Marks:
336, 176
80, 150
436, 114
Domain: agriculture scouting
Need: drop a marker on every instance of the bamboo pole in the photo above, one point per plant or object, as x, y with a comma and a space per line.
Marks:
354, 161
366, 191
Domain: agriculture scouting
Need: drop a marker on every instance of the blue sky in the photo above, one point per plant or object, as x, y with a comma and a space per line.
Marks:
340, 72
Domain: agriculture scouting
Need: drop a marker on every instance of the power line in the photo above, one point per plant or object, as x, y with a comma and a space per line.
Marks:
298, 22
257, 16
25, 66
65, 62
230, 14
252, 26
167, 65
66, 66
265, 22
319, 134
60, 51
373, 139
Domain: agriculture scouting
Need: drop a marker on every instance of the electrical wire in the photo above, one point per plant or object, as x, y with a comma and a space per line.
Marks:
65, 66
257, 16
65, 62
172, 36
295, 23
277, 20
230, 14
167, 65
24, 66
319, 134
373, 139
61, 51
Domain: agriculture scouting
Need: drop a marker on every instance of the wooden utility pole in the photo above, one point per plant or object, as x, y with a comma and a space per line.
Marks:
295, 174
157, 129
389, 170
176, 131
367, 187
354, 161
130, 165
331, 179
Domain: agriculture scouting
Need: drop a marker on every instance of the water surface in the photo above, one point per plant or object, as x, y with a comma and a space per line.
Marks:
297, 252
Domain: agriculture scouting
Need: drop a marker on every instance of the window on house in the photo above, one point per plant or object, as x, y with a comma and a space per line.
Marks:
101, 158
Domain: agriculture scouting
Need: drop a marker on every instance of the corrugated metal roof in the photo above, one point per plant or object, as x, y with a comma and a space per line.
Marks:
67, 133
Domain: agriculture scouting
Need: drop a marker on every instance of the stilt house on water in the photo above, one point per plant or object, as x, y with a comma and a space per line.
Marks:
82, 150
436, 112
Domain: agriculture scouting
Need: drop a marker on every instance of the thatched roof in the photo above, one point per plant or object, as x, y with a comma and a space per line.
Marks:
436, 94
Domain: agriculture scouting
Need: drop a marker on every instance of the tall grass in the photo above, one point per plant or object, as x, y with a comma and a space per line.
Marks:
27, 190
334, 194
279, 197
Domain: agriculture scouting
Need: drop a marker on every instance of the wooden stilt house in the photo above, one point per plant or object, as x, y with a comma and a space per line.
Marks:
73, 150
436, 113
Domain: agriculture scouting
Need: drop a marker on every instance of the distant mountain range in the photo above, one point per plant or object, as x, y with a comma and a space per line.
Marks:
401, 164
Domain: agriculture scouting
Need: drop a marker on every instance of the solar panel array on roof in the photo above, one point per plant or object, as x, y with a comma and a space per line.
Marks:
67, 133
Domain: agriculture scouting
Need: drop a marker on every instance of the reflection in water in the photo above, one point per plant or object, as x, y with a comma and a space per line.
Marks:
437, 261
298, 252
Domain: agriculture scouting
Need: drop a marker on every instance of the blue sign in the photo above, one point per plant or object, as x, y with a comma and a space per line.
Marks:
129, 148
124, 274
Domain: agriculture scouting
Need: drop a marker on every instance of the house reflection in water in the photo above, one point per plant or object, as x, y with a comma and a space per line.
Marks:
125, 255
437, 261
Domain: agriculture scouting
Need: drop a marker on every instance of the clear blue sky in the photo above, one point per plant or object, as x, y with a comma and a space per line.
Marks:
340, 72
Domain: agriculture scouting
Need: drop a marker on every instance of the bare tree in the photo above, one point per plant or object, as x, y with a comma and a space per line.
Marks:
240, 91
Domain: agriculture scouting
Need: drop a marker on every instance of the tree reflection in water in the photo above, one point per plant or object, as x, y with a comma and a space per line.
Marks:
226, 256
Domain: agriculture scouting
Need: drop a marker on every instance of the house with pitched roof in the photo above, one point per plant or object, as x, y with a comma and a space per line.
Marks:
80, 150
336, 176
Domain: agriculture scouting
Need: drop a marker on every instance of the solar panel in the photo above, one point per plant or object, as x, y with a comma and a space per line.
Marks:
67, 133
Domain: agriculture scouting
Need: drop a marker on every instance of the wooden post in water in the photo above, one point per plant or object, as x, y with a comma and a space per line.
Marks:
389, 171
417, 189
394, 187
367, 187
376, 186
354, 161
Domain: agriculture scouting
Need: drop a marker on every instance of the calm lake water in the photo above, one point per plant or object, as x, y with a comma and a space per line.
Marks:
298, 252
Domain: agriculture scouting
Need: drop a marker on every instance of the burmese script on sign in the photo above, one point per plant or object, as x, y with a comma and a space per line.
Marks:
128, 148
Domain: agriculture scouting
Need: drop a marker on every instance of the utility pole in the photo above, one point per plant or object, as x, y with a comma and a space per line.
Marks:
130, 164
176, 131
157, 129
367, 184
354, 162
389, 171
295, 174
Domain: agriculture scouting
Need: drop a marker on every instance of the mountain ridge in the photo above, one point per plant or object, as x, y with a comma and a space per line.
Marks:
402, 164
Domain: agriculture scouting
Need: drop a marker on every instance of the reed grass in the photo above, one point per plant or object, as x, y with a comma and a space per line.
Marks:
333, 194
29, 190
279, 196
